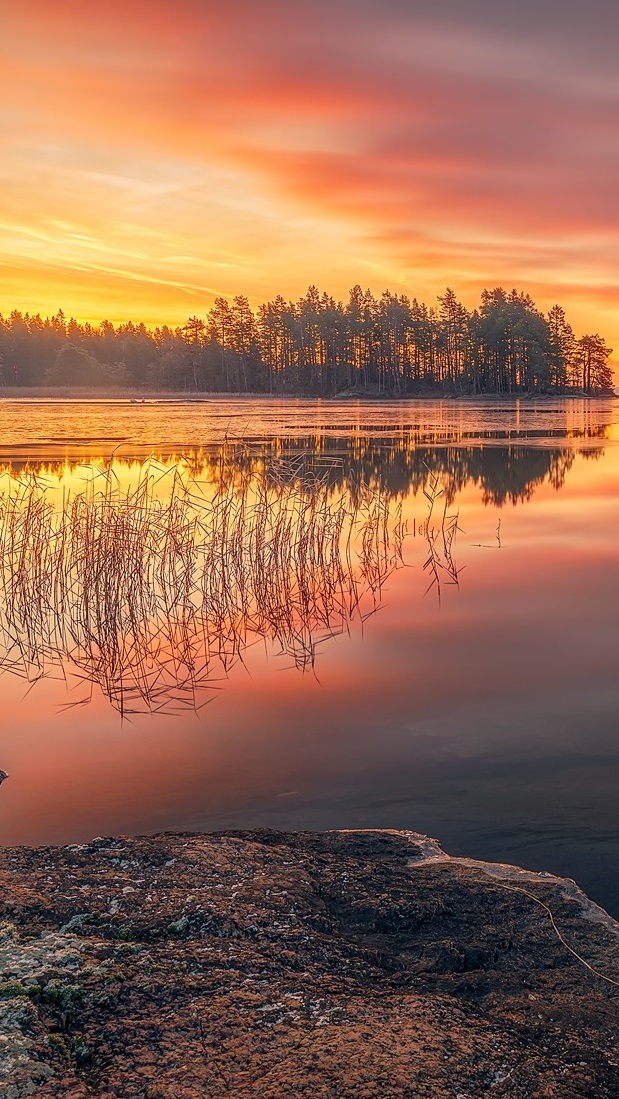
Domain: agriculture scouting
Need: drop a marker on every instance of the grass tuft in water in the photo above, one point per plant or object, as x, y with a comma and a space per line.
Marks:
152, 593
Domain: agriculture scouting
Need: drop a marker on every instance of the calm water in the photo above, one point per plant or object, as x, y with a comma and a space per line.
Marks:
488, 718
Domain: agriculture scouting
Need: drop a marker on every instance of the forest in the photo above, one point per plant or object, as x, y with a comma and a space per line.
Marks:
390, 345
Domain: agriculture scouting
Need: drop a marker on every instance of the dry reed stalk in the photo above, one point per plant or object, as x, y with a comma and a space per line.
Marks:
440, 537
153, 593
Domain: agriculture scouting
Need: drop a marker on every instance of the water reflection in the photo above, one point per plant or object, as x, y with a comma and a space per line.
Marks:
149, 580
394, 466
503, 463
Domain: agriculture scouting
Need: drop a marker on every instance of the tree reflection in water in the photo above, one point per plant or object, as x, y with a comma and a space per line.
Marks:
507, 466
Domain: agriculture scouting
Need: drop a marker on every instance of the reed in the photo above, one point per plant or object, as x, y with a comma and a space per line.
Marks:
152, 593
440, 530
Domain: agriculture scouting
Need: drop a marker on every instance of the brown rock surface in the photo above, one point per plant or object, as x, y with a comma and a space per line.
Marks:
271, 965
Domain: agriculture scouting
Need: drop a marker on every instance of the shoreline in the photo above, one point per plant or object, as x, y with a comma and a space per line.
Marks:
263, 965
138, 396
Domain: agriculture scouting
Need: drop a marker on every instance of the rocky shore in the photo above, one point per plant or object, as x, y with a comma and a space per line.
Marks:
341, 965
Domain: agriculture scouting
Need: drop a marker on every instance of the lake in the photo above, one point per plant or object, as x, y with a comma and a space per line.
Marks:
455, 673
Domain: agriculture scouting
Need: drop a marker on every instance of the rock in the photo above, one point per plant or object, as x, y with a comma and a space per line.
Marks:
265, 965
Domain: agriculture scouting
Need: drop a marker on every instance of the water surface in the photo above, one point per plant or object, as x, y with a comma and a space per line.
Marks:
487, 717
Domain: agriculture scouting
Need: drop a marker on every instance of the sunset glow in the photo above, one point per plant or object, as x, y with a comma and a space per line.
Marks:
156, 156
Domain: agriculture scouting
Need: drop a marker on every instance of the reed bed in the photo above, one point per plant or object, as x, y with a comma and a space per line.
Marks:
152, 593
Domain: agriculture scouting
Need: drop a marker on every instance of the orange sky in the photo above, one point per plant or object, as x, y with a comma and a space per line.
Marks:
155, 155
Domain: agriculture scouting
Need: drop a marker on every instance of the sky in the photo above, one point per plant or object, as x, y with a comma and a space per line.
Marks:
156, 155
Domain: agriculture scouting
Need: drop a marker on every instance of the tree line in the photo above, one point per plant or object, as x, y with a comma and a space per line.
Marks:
391, 345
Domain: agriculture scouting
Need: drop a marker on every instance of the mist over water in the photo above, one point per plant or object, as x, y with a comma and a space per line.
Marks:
475, 696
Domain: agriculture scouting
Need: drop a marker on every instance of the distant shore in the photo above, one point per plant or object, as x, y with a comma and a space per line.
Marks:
138, 396
264, 965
